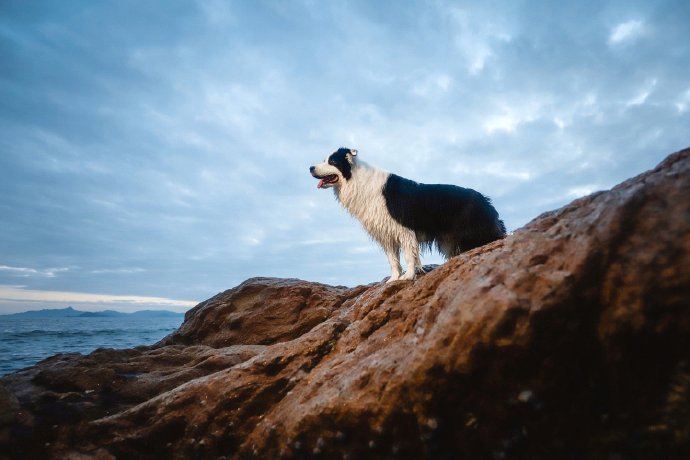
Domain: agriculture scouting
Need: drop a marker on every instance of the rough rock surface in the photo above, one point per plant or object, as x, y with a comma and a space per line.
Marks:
568, 339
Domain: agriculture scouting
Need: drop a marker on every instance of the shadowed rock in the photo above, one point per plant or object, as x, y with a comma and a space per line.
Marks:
568, 339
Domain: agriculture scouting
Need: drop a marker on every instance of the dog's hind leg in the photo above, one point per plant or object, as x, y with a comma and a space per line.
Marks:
448, 246
418, 267
393, 253
423, 242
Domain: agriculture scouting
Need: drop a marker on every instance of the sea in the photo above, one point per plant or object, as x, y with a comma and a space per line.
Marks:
26, 341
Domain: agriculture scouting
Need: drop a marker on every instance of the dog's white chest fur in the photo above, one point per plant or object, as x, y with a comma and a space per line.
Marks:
363, 198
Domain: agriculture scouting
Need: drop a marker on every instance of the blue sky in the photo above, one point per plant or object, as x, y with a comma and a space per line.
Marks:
155, 153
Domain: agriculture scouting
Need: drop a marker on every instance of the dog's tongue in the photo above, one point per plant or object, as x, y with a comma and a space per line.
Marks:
320, 184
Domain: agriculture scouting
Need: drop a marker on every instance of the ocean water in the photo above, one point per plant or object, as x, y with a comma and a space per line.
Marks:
24, 342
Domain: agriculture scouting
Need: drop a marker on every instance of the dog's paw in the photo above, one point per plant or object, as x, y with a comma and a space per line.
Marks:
393, 278
408, 276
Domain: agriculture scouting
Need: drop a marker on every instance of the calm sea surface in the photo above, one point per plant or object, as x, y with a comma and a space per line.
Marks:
24, 342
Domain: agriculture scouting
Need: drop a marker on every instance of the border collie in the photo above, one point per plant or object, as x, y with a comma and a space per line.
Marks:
402, 214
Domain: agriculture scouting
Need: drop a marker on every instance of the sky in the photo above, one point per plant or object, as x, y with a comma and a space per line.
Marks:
155, 153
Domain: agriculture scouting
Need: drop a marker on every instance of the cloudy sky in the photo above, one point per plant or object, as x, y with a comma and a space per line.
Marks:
155, 153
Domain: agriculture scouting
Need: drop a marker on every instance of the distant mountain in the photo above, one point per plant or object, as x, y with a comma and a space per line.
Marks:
47, 313
70, 312
155, 314
136, 314
101, 314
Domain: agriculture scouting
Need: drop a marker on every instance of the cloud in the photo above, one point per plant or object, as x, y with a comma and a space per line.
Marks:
29, 272
627, 32
432, 85
110, 271
495, 169
217, 12
642, 95
477, 36
582, 190
508, 120
683, 102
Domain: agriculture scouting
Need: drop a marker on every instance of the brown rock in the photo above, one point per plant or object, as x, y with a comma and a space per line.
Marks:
260, 311
568, 339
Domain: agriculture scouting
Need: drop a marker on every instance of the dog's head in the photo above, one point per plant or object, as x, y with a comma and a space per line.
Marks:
335, 169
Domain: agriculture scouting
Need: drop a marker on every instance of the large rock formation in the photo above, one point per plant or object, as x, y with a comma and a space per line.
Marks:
568, 339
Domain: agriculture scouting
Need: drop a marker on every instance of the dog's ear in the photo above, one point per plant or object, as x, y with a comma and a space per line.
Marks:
351, 156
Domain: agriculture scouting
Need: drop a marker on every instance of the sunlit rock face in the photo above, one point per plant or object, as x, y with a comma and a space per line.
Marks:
568, 339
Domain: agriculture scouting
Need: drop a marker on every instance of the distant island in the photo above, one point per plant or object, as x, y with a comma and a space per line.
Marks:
70, 312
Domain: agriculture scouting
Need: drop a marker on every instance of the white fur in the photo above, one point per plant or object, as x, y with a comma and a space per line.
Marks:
362, 197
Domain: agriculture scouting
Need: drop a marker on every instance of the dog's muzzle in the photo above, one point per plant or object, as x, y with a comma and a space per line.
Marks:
324, 180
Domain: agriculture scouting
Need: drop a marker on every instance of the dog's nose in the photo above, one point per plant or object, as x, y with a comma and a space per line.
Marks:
311, 169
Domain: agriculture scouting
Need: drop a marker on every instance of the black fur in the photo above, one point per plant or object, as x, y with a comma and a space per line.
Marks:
456, 219
340, 161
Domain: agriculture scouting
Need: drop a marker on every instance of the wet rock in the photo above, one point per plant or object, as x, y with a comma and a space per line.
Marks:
568, 339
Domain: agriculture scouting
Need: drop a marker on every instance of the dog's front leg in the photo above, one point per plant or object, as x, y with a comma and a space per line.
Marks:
411, 251
393, 254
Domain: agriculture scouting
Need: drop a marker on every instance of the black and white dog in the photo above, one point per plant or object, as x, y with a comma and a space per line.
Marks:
400, 213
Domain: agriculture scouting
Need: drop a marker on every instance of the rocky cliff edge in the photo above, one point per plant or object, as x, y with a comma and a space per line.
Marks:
568, 339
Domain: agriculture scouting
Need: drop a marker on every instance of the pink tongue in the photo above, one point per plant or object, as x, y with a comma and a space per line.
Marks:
320, 184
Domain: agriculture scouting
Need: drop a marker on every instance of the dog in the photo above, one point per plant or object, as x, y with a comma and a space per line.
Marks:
399, 213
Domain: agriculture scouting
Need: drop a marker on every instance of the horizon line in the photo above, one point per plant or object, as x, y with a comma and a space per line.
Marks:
17, 299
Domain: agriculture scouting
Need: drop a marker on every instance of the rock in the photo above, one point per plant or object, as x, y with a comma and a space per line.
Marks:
568, 339
9, 412
260, 311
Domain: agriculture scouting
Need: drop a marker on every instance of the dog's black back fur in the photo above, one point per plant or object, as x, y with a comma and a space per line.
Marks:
455, 218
